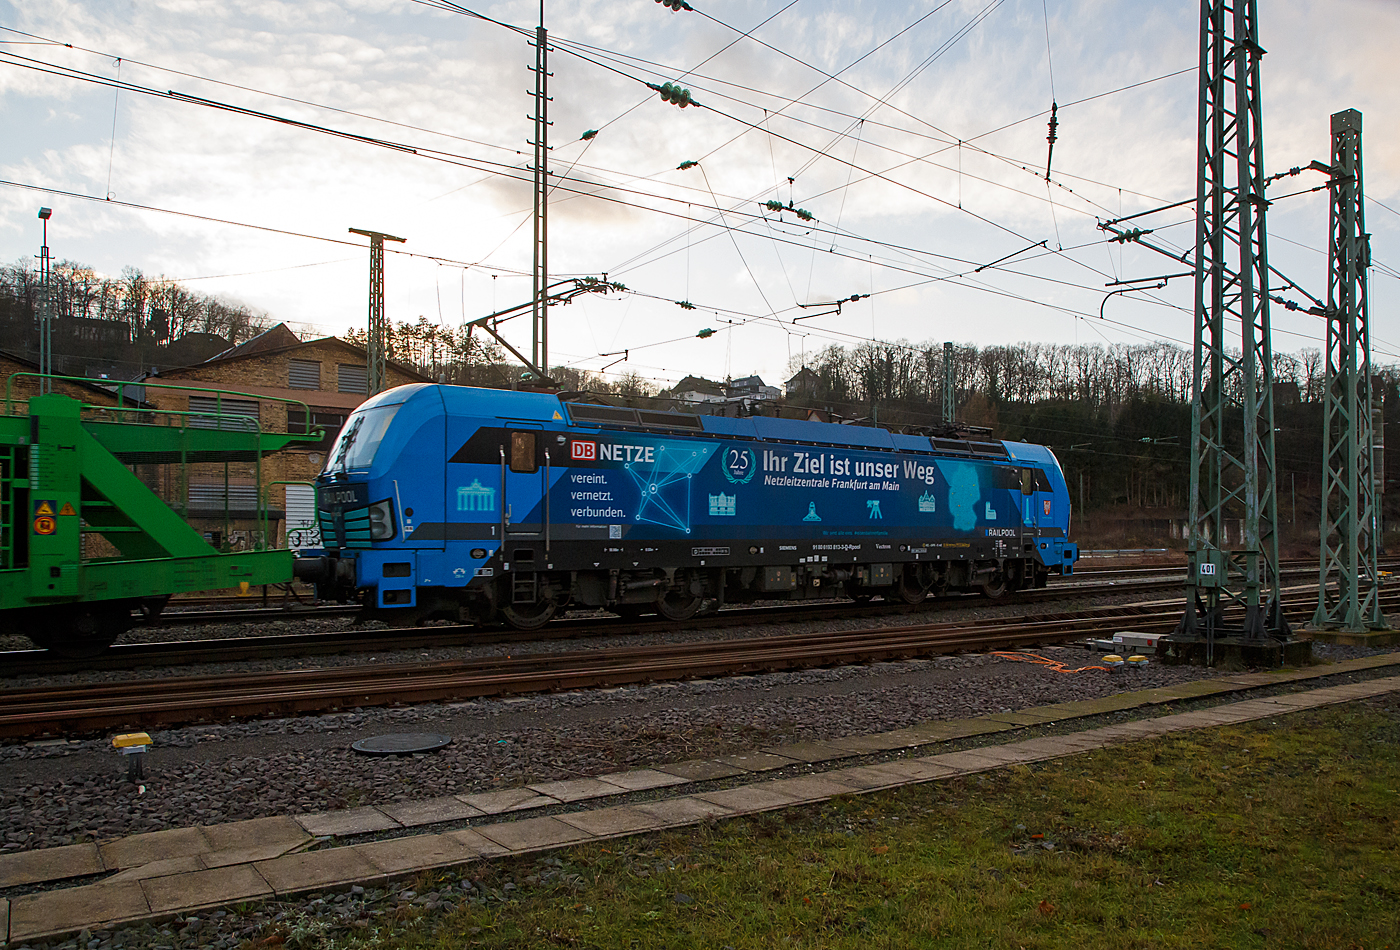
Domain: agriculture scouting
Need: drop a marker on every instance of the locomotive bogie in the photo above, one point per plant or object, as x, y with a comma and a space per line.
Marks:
510, 506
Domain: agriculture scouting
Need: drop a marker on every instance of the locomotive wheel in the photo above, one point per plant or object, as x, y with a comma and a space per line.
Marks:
910, 591
994, 588
529, 616
678, 606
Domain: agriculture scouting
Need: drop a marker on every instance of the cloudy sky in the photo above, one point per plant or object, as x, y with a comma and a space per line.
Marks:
920, 161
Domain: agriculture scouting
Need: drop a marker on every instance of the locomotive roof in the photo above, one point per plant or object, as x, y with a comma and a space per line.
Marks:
548, 407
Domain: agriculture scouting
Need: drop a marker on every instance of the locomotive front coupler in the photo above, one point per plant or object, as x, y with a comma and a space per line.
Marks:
334, 577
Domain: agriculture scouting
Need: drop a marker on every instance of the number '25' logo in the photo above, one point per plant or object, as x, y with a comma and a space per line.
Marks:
739, 465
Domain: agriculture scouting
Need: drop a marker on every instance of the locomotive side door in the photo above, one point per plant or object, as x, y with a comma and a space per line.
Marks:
524, 481
1030, 512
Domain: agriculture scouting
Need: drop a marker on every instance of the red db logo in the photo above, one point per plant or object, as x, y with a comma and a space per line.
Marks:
583, 451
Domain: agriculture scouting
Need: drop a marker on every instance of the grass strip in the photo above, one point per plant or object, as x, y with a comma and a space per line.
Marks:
1281, 833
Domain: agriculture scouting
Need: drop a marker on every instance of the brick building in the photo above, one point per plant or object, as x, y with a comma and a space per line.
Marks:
19, 386
289, 383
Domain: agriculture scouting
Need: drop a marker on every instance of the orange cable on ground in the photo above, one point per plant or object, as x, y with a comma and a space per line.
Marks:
1054, 665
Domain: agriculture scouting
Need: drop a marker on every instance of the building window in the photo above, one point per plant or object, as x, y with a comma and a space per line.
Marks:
214, 498
304, 374
230, 415
352, 379
329, 420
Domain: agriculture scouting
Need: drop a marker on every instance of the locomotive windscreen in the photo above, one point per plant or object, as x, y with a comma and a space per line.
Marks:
360, 438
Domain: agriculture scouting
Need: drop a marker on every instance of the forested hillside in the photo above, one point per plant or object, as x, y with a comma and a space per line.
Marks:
1118, 417
118, 326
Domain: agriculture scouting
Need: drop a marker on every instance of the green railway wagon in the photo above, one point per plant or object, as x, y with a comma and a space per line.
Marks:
66, 475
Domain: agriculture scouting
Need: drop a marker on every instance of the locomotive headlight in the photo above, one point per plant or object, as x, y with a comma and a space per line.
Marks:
381, 521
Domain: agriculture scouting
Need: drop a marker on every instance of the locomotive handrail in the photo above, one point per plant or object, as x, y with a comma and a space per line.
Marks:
505, 512
142, 407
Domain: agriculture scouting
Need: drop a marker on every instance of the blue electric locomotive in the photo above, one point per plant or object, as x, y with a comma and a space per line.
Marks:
478, 504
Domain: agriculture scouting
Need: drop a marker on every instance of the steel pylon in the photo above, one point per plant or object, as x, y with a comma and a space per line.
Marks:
949, 389
539, 317
377, 338
1350, 511
1232, 417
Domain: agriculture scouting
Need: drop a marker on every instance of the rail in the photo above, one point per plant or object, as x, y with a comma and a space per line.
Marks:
81, 708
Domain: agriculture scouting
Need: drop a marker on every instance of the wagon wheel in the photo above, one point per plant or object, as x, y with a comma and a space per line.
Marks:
529, 616
82, 632
679, 605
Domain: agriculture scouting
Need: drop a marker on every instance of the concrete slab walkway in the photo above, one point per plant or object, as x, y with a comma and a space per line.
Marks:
167, 873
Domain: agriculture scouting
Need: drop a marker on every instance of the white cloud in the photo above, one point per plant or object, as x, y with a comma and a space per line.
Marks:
459, 76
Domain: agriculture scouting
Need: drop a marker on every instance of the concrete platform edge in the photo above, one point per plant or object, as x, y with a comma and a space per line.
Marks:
1255, 709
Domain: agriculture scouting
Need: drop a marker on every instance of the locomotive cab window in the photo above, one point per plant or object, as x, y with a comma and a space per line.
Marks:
1027, 481
522, 452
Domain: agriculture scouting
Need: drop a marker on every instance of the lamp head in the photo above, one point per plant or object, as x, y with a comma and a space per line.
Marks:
44, 213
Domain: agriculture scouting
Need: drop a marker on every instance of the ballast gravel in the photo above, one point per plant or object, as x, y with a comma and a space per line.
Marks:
62, 792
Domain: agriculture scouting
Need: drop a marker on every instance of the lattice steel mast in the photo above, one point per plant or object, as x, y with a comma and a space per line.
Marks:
539, 320
1350, 514
378, 336
948, 381
1232, 418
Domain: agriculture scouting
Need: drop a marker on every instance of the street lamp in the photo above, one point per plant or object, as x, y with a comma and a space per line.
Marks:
45, 308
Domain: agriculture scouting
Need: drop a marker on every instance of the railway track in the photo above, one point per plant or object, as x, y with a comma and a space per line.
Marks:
230, 609
70, 710
235, 649
222, 650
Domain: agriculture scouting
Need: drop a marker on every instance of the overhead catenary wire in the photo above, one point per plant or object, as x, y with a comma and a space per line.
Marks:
419, 151
432, 154
837, 159
458, 8
308, 125
44, 41
724, 225
465, 264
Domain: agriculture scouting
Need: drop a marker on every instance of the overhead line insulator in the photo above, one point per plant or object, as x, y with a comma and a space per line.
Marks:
1054, 134
774, 205
675, 5
674, 94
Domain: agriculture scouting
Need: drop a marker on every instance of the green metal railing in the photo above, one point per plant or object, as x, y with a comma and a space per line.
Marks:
133, 410
18, 405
